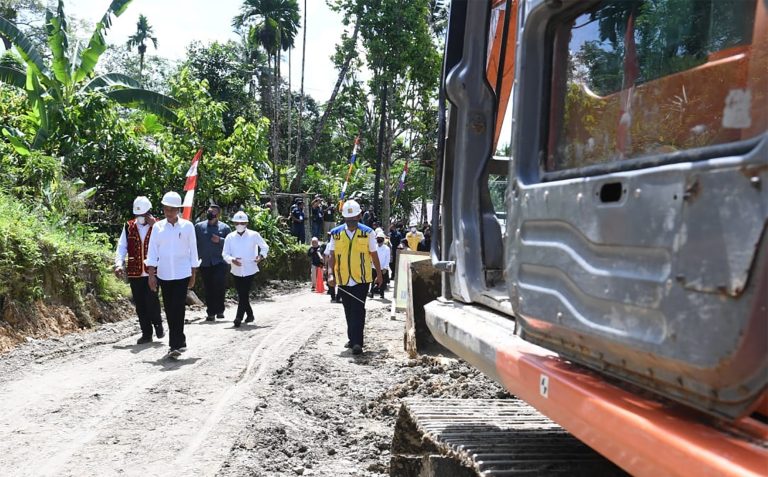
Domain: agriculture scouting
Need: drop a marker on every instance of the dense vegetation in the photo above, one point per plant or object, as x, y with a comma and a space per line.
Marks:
90, 125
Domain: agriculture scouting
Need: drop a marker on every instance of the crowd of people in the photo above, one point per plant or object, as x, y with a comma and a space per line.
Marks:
164, 256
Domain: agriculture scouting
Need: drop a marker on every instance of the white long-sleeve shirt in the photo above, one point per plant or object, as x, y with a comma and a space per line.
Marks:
122, 245
384, 253
245, 247
173, 249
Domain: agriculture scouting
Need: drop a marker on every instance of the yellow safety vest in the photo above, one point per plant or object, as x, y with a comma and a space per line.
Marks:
353, 257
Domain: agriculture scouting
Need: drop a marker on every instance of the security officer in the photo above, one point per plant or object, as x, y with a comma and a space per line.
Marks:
132, 248
352, 250
210, 235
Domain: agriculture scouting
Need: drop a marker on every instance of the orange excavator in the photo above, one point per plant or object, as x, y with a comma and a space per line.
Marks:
620, 285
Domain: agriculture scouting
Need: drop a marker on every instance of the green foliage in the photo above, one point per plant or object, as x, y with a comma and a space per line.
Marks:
41, 260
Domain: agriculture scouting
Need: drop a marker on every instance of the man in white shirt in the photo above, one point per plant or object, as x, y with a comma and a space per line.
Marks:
353, 256
244, 249
382, 249
172, 262
132, 247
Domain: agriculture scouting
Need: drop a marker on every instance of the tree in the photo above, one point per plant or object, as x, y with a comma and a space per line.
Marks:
273, 25
51, 87
137, 40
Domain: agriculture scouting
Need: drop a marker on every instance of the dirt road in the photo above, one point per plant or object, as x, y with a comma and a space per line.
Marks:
279, 398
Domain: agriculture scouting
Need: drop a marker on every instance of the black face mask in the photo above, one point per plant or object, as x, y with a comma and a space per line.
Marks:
210, 215
352, 223
380, 241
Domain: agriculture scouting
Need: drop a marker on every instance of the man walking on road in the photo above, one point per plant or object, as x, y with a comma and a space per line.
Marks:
210, 235
244, 249
352, 251
171, 263
133, 246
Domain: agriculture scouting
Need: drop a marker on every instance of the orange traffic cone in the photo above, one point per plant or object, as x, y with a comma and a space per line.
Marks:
320, 283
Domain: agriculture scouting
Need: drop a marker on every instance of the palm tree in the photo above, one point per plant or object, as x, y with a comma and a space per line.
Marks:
273, 26
143, 33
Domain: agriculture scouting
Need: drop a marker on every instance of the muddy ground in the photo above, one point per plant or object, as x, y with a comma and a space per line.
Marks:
282, 397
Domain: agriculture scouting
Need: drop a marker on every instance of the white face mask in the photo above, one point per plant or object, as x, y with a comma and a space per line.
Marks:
240, 228
141, 220
413, 230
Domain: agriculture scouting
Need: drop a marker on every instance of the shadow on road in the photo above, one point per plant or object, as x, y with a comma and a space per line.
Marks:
138, 348
167, 364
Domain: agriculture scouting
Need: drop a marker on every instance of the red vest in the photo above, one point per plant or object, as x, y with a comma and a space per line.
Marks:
137, 251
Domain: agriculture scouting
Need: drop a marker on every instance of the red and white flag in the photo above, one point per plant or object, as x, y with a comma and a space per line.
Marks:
190, 185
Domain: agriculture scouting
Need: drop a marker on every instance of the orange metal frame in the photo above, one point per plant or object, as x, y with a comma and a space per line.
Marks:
643, 436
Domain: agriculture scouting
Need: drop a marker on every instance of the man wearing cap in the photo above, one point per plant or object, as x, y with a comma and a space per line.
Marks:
210, 235
352, 257
297, 221
131, 251
414, 237
382, 250
244, 249
172, 262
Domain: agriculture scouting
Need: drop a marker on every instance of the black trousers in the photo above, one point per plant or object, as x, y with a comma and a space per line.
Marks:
215, 283
374, 288
354, 311
147, 305
243, 287
174, 302
297, 230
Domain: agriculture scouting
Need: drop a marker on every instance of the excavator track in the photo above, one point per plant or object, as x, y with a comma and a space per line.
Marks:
487, 437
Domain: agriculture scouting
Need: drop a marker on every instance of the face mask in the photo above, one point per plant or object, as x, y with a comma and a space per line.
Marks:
381, 241
240, 228
141, 220
352, 223
413, 230
211, 215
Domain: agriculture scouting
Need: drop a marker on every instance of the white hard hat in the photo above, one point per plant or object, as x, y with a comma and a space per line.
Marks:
141, 205
380, 234
171, 199
240, 216
378, 231
350, 209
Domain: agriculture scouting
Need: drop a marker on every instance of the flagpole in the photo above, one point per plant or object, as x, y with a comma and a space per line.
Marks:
190, 185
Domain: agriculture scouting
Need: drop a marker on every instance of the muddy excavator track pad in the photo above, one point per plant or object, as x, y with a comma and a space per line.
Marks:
487, 437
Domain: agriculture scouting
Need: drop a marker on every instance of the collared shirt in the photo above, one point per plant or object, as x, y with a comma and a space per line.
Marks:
209, 252
372, 245
244, 247
173, 249
383, 251
122, 245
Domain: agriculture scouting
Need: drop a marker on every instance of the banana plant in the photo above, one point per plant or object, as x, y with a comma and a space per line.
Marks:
50, 86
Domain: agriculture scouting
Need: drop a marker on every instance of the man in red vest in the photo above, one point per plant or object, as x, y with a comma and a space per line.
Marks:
131, 251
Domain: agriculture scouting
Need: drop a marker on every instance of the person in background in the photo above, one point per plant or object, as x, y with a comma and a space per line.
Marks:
297, 220
426, 243
353, 255
172, 264
414, 237
244, 249
328, 218
382, 249
316, 260
316, 212
133, 246
332, 291
210, 235
395, 237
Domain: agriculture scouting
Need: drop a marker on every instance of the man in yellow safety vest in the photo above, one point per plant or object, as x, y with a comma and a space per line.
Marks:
352, 252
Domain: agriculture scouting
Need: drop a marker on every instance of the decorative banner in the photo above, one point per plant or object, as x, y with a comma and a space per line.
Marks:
349, 172
190, 185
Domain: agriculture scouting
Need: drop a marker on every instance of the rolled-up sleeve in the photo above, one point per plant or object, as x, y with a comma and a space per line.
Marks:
263, 247
153, 254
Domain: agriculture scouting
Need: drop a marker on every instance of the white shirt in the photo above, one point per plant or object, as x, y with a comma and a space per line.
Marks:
122, 246
244, 247
384, 253
173, 249
372, 246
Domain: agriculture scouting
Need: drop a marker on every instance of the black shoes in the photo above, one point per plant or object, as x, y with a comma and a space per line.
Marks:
348, 344
159, 332
173, 354
238, 322
357, 349
210, 318
144, 340
370, 295
220, 316
249, 319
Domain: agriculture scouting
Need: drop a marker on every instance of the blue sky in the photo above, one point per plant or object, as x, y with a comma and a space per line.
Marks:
179, 22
